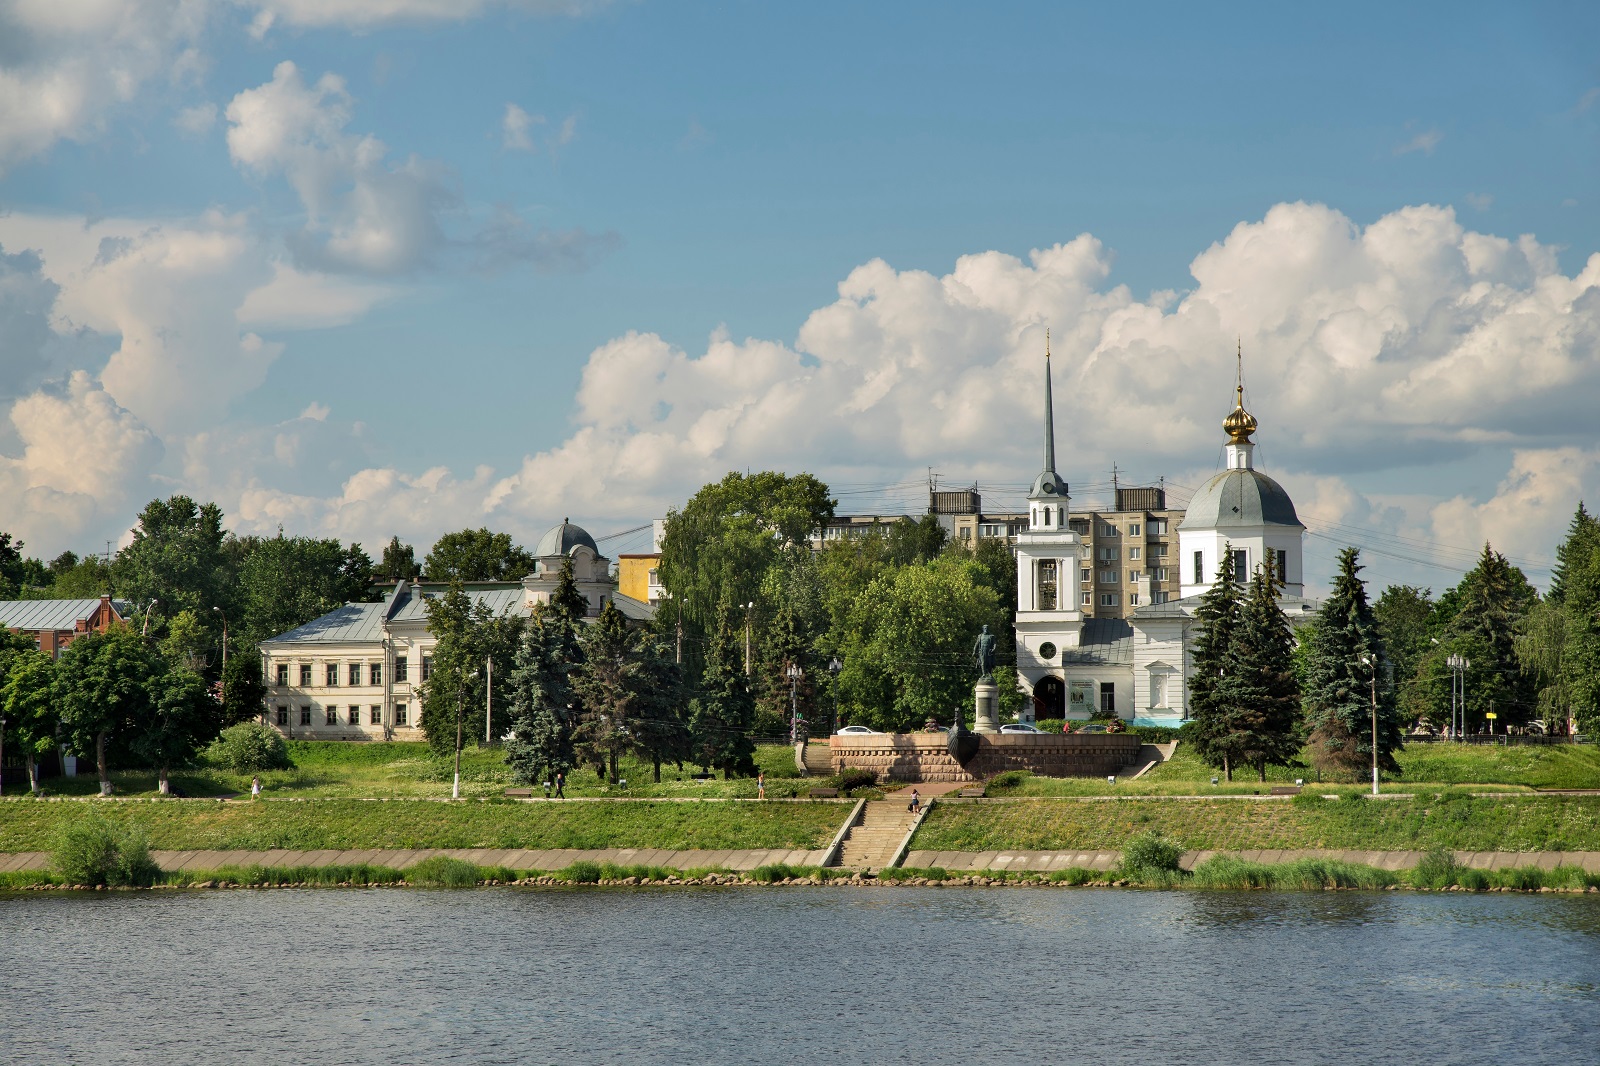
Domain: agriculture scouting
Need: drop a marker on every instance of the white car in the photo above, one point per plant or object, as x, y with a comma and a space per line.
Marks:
1020, 727
856, 731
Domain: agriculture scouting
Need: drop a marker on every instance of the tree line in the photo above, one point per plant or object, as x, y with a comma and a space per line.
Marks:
1261, 694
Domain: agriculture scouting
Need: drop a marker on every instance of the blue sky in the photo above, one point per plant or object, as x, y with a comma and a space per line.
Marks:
726, 168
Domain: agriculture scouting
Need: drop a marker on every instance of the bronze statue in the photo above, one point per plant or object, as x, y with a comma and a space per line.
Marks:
983, 654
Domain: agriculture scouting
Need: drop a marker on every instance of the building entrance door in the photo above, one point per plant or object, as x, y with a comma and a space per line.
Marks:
1050, 698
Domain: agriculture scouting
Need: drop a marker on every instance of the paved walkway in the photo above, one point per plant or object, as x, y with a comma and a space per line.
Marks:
513, 858
1106, 860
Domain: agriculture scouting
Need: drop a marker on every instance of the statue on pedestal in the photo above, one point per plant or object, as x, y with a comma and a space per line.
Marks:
983, 654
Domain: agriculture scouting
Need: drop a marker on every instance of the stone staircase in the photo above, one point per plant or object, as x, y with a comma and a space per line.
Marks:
872, 841
817, 759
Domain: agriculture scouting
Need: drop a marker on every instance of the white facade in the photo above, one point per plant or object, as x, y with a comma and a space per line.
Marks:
1138, 669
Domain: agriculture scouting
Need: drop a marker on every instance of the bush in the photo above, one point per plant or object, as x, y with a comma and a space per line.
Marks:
1436, 869
1005, 782
1150, 853
852, 778
443, 871
1075, 875
92, 851
249, 748
581, 873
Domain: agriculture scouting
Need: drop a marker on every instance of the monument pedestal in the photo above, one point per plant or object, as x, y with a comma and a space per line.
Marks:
986, 697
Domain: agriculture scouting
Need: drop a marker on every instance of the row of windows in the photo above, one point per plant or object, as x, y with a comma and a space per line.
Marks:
352, 671
1278, 558
1153, 527
331, 715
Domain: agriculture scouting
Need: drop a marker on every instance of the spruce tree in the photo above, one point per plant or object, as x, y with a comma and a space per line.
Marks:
1493, 597
1338, 695
1582, 541
1261, 687
721, 714
602, 733
658, 709
1211, 659
543, 700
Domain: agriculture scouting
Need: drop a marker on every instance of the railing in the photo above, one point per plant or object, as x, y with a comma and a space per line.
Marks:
1503, 739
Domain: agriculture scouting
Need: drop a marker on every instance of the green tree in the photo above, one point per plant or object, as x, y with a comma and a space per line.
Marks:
476, 555
915, 540
177, 559
182, 717
544, 703
1493, 598
286, 582
1558, 643
469, 635
1264, 716
658, 722
188, 643
1403, 614
1216, 619
1576, 552
102, 693
720, 546
1345, 653
607, 688
908, 644
721, 713
26, 697
399, 562
244, 690
81, 579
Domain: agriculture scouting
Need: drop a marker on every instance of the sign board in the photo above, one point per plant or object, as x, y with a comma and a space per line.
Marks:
1491, 714
1080, 697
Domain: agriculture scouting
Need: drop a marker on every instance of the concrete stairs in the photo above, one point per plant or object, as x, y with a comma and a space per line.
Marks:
873, 841
817, 759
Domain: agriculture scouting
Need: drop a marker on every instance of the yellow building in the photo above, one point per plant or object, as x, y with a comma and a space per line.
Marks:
637, 577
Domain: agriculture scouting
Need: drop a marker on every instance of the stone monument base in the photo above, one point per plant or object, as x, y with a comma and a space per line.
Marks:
924, 756
986, 697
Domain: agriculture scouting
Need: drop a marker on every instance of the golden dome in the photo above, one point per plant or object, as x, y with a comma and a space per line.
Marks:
1240, 423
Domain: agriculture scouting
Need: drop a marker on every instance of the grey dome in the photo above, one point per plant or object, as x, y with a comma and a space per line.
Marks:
1048, 485
563, 538
1239, 498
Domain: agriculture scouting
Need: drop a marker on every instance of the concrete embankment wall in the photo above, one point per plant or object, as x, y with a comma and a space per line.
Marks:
924, 756
1107, 860
400, 859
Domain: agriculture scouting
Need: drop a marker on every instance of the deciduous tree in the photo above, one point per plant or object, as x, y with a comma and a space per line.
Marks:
31, 721
102, 693
476, 555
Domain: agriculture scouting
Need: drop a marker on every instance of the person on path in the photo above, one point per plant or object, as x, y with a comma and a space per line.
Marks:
916, 802
561, 784
761, 785
255, 787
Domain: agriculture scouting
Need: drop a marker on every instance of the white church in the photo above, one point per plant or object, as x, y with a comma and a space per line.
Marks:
1138, 668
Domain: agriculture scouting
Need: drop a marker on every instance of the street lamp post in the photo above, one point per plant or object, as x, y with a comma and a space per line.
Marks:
223, 615
1372, 663
1459, 665
2, 755
794, 674
834, 666
461, 692
747, 609
145, 629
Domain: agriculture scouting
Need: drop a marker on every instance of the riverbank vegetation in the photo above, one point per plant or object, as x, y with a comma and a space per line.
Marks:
317, 824
1435, 819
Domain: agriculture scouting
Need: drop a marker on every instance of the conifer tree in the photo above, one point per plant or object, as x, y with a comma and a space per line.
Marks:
658, 710
1575, 552
1494, 597
606, 690
1264, 694
720, 715
1338, 695
1211, 658
543, 701
1575, 594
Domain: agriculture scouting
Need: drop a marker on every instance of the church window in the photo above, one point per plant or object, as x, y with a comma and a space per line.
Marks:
1241, 566
1047, 651
1283, 565
1047, 585
1199, 568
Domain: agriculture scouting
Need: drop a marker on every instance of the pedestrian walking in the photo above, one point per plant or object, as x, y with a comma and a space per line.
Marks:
915, 805
561, 784
255, 787
761, 785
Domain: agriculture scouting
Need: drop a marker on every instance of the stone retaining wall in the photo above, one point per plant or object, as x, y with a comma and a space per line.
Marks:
923, 756
1107, 860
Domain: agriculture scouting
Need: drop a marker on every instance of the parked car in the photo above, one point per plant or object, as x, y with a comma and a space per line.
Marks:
1091, 727
856, 731
1020, 727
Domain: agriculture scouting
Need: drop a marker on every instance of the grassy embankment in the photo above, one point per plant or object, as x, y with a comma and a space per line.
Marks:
29, 825
333, 769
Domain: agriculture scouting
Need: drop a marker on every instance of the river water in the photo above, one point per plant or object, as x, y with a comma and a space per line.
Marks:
783, 975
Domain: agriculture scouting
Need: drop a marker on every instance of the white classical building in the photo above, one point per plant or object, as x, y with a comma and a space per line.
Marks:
357, 672
1138, 668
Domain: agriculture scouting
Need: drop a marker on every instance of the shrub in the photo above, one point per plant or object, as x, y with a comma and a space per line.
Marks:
92, 851
1436, 869
1473, 880
443, 871
777, 872
851, 778
581, 873
1225, 871
1075, 875
1149, 853
249, 748
1005, 782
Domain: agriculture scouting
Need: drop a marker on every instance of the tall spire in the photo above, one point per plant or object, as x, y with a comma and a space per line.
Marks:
1049, 410
1240, 423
